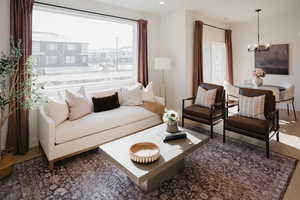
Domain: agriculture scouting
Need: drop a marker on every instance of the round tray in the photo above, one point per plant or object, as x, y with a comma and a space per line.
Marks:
144, 152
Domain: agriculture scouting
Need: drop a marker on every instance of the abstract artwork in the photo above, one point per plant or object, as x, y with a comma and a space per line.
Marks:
274, 61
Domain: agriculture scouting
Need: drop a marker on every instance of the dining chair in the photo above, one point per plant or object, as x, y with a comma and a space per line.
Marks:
206, 115
262, 129
232, 94
288, 97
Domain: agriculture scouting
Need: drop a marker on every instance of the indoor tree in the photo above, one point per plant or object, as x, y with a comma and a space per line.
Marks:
18, 88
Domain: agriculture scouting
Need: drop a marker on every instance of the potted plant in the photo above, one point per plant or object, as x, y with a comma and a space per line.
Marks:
171, 118
27, 93
258, 75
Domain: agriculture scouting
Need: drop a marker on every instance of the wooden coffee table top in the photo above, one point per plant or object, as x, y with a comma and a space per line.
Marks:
171, 152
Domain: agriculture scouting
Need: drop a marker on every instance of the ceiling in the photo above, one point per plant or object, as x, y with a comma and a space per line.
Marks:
225, 10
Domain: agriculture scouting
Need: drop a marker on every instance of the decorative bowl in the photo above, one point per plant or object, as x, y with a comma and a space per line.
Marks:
144, 152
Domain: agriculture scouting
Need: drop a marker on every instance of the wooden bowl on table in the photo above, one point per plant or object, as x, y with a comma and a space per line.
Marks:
144, 152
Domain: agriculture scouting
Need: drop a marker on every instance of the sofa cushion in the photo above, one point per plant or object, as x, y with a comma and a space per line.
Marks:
57, 109
106, 103
131, 96
98, 122
79, 105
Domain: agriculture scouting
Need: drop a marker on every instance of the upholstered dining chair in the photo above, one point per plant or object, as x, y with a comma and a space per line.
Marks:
288, 97
232, 94
207, 115
262, 129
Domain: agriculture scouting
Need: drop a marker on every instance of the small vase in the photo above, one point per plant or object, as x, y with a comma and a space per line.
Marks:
172, 127
257, 81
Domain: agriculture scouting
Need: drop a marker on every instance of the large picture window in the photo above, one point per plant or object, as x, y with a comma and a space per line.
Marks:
73, 49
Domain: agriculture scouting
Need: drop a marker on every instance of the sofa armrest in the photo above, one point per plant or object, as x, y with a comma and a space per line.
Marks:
160, 100
46, 131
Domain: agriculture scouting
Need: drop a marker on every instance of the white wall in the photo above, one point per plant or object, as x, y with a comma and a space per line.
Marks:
153, 39
172, 37
177, 43
4, 45
276, 30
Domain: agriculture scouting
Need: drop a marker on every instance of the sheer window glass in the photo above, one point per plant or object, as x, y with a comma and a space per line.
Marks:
214, 62
74, 49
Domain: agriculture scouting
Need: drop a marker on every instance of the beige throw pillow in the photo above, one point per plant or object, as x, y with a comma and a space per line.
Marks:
252, 106
130, 96
79, 105
148, 93
57, 109
205, 97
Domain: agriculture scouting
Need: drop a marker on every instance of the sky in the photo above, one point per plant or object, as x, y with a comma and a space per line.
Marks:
99, 33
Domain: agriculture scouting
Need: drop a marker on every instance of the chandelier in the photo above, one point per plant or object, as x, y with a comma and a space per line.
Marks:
258, 46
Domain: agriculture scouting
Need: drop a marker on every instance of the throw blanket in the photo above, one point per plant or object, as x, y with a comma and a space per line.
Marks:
154, 107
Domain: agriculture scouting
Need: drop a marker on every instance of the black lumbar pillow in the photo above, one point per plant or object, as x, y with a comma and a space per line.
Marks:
106, 103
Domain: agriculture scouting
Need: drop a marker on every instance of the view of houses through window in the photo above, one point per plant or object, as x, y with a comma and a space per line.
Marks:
74, 50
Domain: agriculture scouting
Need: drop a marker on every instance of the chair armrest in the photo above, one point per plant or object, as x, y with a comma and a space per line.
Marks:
46, 131
189, 99
183, 102
160, 100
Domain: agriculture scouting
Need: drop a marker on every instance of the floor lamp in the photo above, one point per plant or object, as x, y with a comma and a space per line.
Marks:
163, 64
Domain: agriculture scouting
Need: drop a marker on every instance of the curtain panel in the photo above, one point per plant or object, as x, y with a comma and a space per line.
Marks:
197, 56
20, 29
143, 52
228, 42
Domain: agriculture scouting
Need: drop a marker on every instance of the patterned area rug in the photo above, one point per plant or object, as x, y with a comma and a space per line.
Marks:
235, 170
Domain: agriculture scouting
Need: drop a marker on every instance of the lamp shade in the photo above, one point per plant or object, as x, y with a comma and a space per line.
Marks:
162, 64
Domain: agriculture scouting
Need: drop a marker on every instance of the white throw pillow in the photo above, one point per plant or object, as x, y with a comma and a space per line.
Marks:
205, 97
57, 109
130, 96
84, 93
148, 93
79, 105
252, 106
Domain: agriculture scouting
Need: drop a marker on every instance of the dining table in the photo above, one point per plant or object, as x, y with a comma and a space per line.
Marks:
277, 90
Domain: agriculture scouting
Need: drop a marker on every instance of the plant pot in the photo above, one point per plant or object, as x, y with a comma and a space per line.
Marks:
7, 162
172, 127
257, 81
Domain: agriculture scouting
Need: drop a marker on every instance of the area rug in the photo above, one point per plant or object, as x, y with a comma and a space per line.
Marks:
215, 171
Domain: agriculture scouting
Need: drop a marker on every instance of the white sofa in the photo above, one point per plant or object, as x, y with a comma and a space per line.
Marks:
72, 137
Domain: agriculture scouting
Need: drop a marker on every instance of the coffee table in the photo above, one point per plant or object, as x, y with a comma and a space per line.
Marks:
171, 162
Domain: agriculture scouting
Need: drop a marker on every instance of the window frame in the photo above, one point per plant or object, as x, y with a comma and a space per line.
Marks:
96, 86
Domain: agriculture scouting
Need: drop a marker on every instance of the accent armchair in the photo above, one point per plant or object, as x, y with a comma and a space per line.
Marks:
206, 115
256, 128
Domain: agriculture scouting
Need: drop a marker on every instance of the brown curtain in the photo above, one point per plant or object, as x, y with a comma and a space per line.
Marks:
143, 52
228, 42
198, 56
20, 28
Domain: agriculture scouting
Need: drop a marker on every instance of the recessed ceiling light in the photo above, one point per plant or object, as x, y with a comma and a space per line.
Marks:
162, 3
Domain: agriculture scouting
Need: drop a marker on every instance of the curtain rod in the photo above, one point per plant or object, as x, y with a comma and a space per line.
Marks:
86, 11
215, 27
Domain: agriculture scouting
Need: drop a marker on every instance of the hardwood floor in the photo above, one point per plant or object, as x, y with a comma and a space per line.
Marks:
289, 145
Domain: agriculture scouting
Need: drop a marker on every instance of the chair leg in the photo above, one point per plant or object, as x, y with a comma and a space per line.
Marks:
288, 109
212, 130
295, 114
277, 136
268, 148
224, 133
